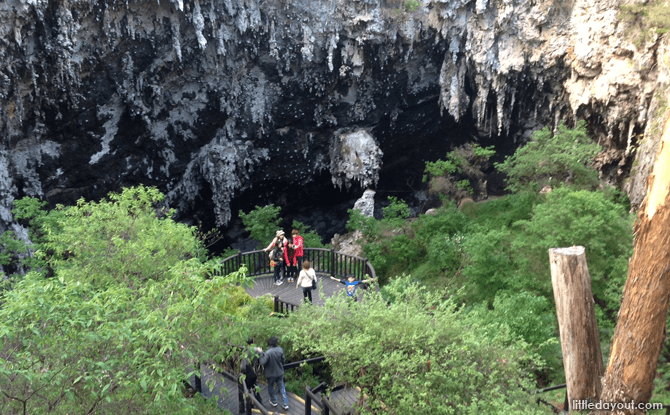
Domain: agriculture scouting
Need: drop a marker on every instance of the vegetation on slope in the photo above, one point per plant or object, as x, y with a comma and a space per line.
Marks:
493, 255
122, 305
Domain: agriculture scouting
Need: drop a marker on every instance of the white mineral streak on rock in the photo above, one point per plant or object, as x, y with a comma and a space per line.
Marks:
176, 42
254, 11
113, 115
355, 156
25, 156
259, 99
220, 36
7, 189
199, 24
242, 19
332, 45
366, 203
307, 49
571, 59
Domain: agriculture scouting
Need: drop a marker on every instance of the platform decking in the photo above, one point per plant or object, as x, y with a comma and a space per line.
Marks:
288, 292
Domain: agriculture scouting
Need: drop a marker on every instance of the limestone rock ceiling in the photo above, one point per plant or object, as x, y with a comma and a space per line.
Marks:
219, 97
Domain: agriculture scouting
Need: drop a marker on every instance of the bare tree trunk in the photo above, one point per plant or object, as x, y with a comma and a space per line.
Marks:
580, 342
640, 331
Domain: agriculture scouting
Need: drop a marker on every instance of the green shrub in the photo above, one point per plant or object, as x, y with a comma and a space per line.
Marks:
445, 254
411, 5
369, 226
453, 177
127, 311
504, 211
262, 223
589, 219
563, 158
447, 221
419, 353
489, 266
395, 213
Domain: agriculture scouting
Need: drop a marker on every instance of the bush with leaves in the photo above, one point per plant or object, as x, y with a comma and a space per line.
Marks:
529, 317
505, 211
462, 167
489, 264
368, 225
589, 219
127, 312
311, 239
396, 213
385, 242
564, 157
262, 223
418, 353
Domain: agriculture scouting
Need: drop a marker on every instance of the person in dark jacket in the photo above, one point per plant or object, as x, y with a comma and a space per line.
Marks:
248, 369
277, 247
273, 361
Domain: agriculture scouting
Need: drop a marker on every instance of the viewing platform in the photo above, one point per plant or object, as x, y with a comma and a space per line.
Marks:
223, 387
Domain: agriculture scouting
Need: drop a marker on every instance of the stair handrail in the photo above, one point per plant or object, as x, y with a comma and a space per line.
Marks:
250, 399
321, 401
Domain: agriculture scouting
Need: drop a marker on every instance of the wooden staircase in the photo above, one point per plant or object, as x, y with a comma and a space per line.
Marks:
215, 385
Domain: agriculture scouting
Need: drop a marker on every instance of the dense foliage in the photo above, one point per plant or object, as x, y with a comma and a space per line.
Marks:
419, 353
122, 314
263, 222
549, 158
120, 301
493, 254
461, 174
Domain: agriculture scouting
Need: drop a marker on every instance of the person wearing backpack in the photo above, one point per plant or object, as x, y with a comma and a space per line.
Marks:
277, 247
307, 280
248, 368
273, 362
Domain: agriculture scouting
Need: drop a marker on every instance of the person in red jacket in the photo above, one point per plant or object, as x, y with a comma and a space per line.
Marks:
297, 246
289, 260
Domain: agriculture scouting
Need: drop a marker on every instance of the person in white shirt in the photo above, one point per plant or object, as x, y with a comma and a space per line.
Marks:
307, 280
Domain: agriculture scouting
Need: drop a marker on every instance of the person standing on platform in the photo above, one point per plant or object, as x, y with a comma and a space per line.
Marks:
273, 361
278, 245
290, 261
306, 281
351, 285
298, 243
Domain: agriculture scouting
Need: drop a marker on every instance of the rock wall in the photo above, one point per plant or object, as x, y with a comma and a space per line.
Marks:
211, 100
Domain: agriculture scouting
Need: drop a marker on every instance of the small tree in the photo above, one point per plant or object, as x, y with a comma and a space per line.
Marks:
413, 351
463, 167
127, 311
262, 222
563, 158
311, 239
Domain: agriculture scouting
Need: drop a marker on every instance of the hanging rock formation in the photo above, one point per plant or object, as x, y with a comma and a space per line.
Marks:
211, 99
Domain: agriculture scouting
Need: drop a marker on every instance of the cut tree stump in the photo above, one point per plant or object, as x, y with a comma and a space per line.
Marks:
580, 342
